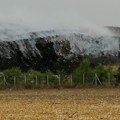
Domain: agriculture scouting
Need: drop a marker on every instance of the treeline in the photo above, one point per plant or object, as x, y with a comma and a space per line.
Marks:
84, 75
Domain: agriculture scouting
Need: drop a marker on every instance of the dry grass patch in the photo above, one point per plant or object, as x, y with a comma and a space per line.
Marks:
66, 104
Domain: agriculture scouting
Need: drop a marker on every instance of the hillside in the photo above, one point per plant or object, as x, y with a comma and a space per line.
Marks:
54, 49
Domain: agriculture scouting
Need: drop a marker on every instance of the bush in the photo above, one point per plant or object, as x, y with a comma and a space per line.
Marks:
102, 73
89, 73
117, 77
53, 80
34, 79
12, 77
84, 70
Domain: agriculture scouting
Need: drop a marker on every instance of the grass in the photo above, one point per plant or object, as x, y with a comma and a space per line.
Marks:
63, 104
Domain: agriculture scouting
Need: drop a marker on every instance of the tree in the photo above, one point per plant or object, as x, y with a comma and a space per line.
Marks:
13, 77
84, 70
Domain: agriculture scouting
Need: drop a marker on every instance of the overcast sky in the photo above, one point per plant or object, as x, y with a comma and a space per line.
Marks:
60, 13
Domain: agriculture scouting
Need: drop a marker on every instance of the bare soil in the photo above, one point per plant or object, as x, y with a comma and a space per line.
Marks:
60, 104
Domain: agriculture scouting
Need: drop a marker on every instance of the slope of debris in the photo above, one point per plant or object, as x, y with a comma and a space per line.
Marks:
56, 50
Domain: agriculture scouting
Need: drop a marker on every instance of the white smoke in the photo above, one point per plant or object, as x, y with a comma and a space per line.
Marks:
87, 44
86, 39
11, 31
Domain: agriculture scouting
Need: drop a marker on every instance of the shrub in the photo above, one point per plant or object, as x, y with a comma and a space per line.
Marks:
53, 80
12, 77
117, 77
34, 79
84, 70
102, 73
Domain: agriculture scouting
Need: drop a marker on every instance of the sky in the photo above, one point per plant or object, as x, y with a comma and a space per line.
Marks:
43, 14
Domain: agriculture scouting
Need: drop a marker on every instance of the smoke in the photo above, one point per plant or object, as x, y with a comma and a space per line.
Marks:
41, 15
71, 23
84, 38
64, 17
86, 16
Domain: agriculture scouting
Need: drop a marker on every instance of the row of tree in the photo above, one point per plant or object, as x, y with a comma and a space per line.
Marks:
85, 75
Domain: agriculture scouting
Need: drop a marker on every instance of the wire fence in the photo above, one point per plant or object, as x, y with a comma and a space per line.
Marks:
53, 81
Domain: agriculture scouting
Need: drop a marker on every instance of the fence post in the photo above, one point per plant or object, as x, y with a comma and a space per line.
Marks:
25, 80
83, 79
98, 80
71, 80
109, 77
59, 80
4, 81
36, 81
47, 80
95, 79
14, 81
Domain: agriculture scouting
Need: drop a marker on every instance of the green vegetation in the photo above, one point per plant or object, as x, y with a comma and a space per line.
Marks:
84, 71
84, 75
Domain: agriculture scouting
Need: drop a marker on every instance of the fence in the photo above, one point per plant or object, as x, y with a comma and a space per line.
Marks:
52, 81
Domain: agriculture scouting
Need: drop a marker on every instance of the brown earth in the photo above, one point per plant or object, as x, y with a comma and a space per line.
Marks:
62, 104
